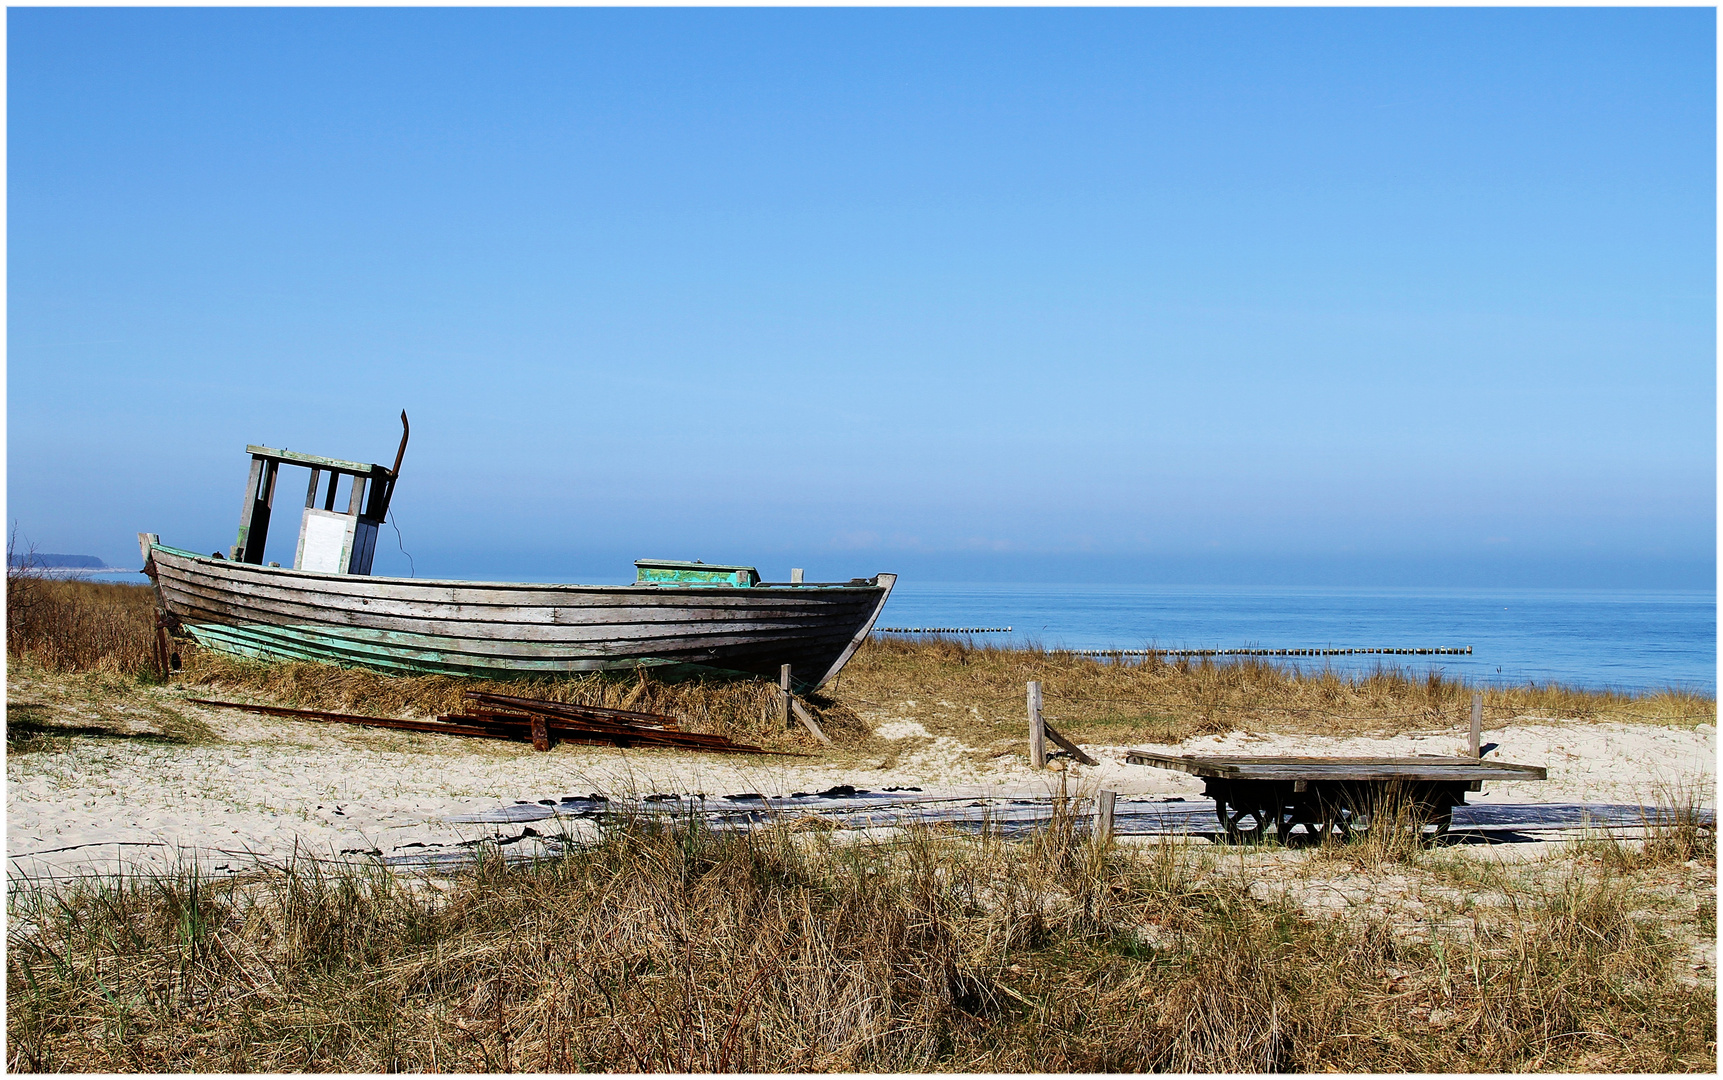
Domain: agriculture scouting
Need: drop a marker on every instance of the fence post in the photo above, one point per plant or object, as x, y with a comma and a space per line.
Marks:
784, 694
1477, 725
1104, 815
1037, 731
795, 575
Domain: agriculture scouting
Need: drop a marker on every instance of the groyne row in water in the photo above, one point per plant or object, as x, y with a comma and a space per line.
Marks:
1463, 650
1458, 650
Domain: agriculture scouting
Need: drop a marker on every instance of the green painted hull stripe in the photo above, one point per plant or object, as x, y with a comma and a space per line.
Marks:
304, 643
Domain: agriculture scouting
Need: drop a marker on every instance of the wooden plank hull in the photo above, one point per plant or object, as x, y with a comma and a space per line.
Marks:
495, 629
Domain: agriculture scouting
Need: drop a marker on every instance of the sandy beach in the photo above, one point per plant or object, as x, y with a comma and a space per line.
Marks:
259, 788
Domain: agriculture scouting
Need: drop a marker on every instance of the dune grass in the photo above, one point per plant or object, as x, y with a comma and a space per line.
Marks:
1100, 701
680, 950
80, 626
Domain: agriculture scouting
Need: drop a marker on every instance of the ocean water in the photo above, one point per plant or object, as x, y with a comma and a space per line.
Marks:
1597, 639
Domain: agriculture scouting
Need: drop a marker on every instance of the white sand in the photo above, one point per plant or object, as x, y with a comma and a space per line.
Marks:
270, 787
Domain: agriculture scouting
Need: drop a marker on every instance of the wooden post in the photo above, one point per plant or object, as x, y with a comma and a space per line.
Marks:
796, 576
540, 733
252, 483
163, 665
1104, 815
1037, 733
784, 694
808, 721
1477, 725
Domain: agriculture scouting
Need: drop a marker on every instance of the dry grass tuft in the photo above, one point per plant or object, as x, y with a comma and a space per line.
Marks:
1683, 833
680, 950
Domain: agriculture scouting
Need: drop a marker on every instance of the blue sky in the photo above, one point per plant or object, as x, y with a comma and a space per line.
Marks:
1400, 297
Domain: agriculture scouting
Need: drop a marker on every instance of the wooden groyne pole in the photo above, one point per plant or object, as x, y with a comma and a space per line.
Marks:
1037, 730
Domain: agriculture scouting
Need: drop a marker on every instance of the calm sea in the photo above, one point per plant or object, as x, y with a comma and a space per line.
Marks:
1639, 640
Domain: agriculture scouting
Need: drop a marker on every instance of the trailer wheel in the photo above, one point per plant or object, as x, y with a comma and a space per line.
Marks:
1439, 814
1246, 824
1428, 814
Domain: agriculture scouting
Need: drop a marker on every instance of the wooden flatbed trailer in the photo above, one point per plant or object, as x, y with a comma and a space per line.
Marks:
1333, 796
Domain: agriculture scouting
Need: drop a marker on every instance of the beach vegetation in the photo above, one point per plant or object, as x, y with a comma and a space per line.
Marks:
677, 949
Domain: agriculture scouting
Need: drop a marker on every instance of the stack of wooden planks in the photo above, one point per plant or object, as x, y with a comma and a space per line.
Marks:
545, 721
502, 716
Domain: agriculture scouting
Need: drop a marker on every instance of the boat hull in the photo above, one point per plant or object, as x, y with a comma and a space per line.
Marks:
499, 630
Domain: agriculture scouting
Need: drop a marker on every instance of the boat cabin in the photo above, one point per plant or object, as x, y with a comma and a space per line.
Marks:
331, 541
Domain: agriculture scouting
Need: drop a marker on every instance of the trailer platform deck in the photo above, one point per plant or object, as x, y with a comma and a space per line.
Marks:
1328, 796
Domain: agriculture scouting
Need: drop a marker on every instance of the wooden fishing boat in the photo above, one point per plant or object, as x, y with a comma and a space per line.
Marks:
328, 607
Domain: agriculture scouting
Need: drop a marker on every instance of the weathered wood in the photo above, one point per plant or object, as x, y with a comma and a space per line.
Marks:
421, 599
477, 627
632, 716
739, 651
540, 735
1104, 803
1037, 729
564, 610
598, 721
564, 623
242, 546
162, 650
1289, 770
349, 718
618, 735
522, 722
330, 464
810, 595
1070, 746
808, 721
1477, 725
1227, 761
784, 695
795, 575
